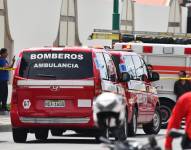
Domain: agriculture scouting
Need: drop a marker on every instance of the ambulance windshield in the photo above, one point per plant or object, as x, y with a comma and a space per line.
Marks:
56, 65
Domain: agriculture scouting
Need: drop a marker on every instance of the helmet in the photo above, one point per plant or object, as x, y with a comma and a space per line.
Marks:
109, 110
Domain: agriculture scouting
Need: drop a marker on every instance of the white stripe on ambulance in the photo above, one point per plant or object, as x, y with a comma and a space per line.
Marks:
30, 82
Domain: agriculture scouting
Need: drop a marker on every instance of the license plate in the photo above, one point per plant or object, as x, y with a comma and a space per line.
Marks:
54, 103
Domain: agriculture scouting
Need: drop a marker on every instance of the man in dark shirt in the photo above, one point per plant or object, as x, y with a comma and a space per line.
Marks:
4, 77
182, 85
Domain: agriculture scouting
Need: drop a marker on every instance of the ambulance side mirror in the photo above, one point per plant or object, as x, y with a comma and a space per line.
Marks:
125, 77
155, 76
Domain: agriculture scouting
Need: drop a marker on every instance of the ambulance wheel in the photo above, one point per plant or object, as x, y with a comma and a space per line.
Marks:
19, 135
133, 124
154, 126
41, 134
166, 110
57, 132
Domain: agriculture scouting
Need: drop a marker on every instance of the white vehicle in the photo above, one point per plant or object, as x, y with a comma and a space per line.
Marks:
167, 60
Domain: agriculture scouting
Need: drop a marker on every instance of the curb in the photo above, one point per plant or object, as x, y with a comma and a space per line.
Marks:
5, 123
5, 128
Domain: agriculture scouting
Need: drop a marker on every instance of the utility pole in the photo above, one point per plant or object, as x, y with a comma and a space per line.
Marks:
116, 17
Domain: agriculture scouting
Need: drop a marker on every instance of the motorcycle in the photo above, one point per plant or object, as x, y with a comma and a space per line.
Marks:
131, 145
185, 143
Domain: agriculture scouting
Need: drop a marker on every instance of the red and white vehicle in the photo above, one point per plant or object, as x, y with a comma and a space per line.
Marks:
54, 88
167, 60
142, 98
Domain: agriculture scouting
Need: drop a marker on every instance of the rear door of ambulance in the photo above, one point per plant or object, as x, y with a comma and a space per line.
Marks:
56, 84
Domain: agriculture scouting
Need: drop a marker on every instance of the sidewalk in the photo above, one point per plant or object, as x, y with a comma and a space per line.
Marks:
5, 122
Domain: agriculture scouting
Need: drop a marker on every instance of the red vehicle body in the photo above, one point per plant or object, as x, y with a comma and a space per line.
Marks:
54, 88
141, 95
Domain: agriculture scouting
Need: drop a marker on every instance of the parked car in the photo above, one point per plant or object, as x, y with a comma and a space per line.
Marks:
142, 98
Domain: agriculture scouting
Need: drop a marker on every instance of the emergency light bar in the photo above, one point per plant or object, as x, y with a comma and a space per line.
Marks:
187, 51
147, 49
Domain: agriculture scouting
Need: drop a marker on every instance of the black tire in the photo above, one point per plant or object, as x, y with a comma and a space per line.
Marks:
41, 134
121, 133
57, 132
166, 110
154, 126
133, 124
19, 135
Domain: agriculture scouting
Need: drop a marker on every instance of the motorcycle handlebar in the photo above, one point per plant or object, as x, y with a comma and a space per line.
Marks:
127, 145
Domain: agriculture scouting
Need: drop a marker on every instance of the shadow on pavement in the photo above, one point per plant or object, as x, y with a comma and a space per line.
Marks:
3, 141
74, 141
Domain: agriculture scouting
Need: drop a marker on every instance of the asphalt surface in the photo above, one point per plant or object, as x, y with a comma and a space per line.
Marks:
5, 122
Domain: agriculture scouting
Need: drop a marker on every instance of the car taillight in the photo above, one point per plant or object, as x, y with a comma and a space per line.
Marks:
98, 88
14, 97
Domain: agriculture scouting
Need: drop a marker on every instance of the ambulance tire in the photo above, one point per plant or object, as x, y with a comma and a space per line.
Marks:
19, 135
132, 127
57, 132
154, 126
166, 110
41, 134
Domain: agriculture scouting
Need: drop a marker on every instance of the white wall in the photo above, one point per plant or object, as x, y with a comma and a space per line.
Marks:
151, 18
184, 19
94, 14
33, 22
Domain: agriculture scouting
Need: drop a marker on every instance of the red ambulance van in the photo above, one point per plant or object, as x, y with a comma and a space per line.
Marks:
141, 95
54, 88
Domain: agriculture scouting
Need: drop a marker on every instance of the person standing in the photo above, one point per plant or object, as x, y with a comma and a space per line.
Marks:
150, 69
182, 85
181, 110
4, 77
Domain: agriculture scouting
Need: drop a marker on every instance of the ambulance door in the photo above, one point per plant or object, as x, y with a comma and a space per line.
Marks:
149, 91
107, 72
139, 88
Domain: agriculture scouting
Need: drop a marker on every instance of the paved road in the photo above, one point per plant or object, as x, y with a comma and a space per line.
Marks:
69, 141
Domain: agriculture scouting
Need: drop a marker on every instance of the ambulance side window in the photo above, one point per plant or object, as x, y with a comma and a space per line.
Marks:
130, 66
102, 66
138, 66
110, 67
